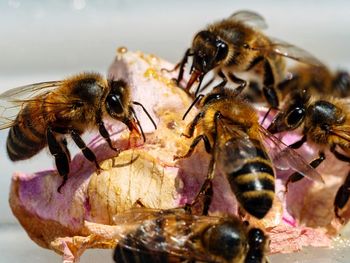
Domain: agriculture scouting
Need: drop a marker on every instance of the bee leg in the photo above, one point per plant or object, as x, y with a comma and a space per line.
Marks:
298, 144
104, 133
222, 84
198, 98
339, 156
61, 157
193, 146
64, 145
191, 127
86, 150
206, 189
269, 86
342, 197
181, 65
298, 176
206, 85
207, 199
241, 82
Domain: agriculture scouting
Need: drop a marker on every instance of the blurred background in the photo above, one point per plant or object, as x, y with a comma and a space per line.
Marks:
48, 40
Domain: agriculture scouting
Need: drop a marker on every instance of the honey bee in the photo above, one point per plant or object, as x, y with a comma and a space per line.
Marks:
235, 45
234, 138
176, 236
42, 114
314, 80
324, 121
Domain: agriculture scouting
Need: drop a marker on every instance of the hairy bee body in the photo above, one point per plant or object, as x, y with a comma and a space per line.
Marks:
56, 109
25, 138
230, 127
316, 80
252, 181
324, 121
235, 45
72, 106
241, 56
174, 236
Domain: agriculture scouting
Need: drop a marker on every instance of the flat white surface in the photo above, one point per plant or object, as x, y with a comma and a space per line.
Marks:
48, 40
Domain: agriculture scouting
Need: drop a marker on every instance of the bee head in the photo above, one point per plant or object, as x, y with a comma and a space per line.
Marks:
117, 104
226, 240
208, 51
293, 116
258, 243
116, 98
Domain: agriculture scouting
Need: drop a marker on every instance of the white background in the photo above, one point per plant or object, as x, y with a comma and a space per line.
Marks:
48, 40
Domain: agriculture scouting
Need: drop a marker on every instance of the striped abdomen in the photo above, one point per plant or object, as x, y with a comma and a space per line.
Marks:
254, 182
27, 136
132, 250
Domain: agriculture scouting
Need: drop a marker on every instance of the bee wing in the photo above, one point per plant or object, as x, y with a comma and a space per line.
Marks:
167, 231
13, 100
29, 91
342, 132
285, 157
235, 151
250, 18
285, 49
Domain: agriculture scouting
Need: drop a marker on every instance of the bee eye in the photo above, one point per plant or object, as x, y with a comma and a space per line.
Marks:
295, 117
114, 104
222, 50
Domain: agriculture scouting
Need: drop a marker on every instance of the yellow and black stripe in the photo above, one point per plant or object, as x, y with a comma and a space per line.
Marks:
132, 249
254, 183
24, 140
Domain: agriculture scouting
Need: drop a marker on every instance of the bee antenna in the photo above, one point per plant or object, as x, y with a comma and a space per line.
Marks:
198, 98
138, 124
148, 115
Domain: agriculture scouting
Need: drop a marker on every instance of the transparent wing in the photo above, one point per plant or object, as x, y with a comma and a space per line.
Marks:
237, 147
250, 18
29, 91
285, 49
167, 231
13, 100
285, 158
342, 132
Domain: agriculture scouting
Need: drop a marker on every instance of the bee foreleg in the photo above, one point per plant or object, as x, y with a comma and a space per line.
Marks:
86, 150
191, 127
104, 133
198, 98
298, 144
269, 86
181, 65
206, 85
61, 157
193, 146
342, 196
298, 176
